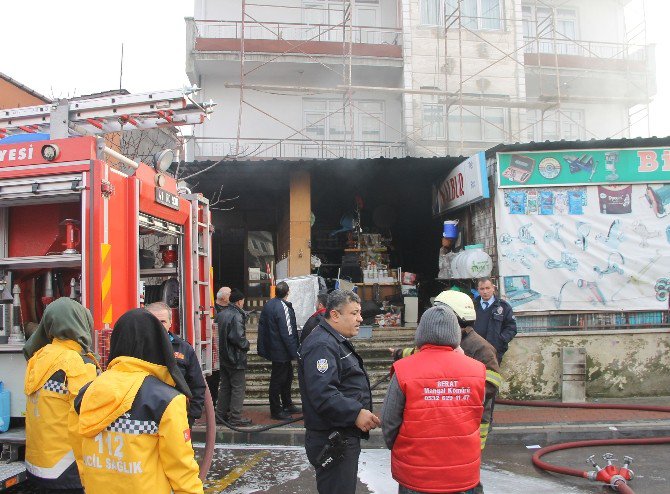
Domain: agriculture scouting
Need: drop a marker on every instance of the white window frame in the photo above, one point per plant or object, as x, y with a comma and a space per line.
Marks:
477, 112
567, 120
444, 9
551, 41
308, 108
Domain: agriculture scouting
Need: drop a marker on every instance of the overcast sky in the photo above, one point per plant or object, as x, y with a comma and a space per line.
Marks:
73, 47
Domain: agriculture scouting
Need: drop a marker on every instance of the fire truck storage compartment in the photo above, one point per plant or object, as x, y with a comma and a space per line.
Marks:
40, 260
161, 246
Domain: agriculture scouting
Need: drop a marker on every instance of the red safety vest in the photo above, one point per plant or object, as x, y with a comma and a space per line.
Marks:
438, 446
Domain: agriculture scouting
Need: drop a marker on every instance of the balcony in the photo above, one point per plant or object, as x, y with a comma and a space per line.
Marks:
214, 148
582, 54
288, 39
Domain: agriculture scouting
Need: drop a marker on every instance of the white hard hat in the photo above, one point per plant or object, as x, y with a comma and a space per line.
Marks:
459, 302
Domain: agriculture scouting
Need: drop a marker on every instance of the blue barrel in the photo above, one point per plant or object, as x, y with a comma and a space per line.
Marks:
4, 408
450, 229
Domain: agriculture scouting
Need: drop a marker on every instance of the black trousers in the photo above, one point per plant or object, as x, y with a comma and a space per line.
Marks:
340, 478
281, 379
232, 385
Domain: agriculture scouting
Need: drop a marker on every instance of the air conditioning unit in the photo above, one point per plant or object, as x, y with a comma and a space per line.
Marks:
483, 50
449, 65
483, 84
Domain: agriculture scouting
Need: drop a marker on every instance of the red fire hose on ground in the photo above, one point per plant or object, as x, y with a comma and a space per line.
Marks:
210, 435
617, 478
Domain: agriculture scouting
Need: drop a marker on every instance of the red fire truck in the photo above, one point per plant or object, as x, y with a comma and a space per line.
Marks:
80, 220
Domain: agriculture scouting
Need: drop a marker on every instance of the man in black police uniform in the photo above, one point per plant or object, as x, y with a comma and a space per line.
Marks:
495, 319
335, 392
187, 361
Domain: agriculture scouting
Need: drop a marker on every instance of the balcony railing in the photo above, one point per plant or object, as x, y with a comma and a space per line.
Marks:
287, 31
215, 148
582, 48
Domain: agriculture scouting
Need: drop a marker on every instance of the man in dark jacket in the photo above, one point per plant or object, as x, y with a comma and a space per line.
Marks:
316, 318
233, 348
187, 361
278, 342
336, 394
495, 319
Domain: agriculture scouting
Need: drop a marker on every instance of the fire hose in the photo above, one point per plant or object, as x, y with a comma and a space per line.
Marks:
616, 478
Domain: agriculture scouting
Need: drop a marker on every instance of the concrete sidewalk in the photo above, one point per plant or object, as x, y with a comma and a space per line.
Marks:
512, 425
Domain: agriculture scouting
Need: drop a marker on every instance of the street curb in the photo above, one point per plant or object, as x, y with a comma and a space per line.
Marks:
541, 434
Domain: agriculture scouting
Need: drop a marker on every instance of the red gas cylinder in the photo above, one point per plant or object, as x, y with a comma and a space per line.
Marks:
169, 255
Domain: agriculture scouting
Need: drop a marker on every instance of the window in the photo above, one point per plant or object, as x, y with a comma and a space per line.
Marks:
476, 123
556, 29
330, 120
432, 118
556, 125
473, 124
431, 13
475, 14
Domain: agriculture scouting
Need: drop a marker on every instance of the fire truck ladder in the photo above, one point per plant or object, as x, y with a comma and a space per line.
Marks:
201, 264
106, 114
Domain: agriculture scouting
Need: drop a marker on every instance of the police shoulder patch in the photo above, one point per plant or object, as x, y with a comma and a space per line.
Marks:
322, 365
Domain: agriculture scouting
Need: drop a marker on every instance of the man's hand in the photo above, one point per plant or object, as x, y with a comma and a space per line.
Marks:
366, 420
392, 350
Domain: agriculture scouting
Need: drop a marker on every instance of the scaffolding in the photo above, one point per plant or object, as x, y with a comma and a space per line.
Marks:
517, 71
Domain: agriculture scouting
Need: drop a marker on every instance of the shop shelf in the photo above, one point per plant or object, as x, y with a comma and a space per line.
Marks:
153, 272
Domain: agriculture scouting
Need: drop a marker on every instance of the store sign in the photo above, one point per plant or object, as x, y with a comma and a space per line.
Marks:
584, 167
467, 183
167, 198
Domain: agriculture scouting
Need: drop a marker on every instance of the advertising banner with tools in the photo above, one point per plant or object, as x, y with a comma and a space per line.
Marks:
583, 167
595, 248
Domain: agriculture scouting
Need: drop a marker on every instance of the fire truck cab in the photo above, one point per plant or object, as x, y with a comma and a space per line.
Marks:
79, 220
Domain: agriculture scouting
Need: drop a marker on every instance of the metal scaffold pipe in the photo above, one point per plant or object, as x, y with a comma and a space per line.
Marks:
118, 156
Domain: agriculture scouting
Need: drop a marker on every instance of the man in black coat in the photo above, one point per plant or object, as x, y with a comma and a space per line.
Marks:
278, 342
233, 348
495, 319
336, 394
187, 361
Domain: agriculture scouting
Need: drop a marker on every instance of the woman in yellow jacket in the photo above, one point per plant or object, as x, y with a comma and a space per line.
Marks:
59, 365
136, 437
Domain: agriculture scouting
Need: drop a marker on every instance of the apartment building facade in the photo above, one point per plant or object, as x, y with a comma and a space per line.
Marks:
367, 78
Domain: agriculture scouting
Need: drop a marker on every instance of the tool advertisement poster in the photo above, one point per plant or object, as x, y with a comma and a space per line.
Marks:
583, 167
594, 248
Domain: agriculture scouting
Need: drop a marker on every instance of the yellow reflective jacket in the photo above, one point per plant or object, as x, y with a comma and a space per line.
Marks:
135, 432
54, 376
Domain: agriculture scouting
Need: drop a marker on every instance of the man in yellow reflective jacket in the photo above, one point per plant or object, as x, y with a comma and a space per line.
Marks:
136, 437
59, 365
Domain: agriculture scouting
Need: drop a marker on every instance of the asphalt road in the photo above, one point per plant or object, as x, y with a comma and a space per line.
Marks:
506, 469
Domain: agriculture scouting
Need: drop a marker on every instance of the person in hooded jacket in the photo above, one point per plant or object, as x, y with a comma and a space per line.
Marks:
432, 412
132, 418
59, 365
